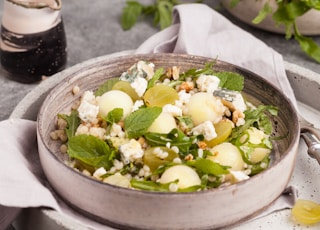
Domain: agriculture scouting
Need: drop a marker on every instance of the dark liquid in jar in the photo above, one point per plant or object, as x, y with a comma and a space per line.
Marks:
34, 55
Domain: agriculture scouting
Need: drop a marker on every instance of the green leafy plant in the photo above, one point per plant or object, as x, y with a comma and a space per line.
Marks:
286, 13
160, 10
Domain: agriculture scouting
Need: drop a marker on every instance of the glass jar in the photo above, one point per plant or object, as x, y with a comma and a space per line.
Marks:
33, 40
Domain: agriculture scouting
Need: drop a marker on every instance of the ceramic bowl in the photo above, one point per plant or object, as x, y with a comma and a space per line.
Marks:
125, 208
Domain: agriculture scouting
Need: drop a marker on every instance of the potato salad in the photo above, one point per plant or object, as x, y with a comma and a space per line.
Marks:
167, 130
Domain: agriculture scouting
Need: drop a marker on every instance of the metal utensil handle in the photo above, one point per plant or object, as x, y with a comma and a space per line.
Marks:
312, 138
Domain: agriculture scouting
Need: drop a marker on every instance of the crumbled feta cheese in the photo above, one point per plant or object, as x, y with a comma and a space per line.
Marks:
238, 176
116, 131
82, 129
99, 173
97, 132
238, 102
206, 129
137, 104
118, 164
184, 98
88, 109
172, 109
131, 151
208, 83
139, 85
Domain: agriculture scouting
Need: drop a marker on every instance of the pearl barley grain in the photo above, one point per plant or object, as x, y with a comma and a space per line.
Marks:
76, 90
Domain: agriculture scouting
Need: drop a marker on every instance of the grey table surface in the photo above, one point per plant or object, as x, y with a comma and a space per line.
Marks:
93, 29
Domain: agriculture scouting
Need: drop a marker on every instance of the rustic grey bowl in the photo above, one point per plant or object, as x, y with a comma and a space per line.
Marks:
125, 208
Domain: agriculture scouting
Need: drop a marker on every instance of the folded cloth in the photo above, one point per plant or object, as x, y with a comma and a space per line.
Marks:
205, 33
21, 177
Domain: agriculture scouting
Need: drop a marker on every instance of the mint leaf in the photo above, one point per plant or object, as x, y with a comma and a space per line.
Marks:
114, 116
230, 80
106, 86
91, 150
130, 14
138, 122
73, 121
206, 166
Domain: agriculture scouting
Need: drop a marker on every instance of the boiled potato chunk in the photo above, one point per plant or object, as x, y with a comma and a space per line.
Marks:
164, 123
228, 155
203, 107
186, 175
119, 180
115, 99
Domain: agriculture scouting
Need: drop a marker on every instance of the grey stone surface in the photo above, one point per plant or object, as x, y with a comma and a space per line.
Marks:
93, 29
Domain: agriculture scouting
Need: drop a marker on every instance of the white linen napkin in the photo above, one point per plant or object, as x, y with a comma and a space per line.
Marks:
197, 30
